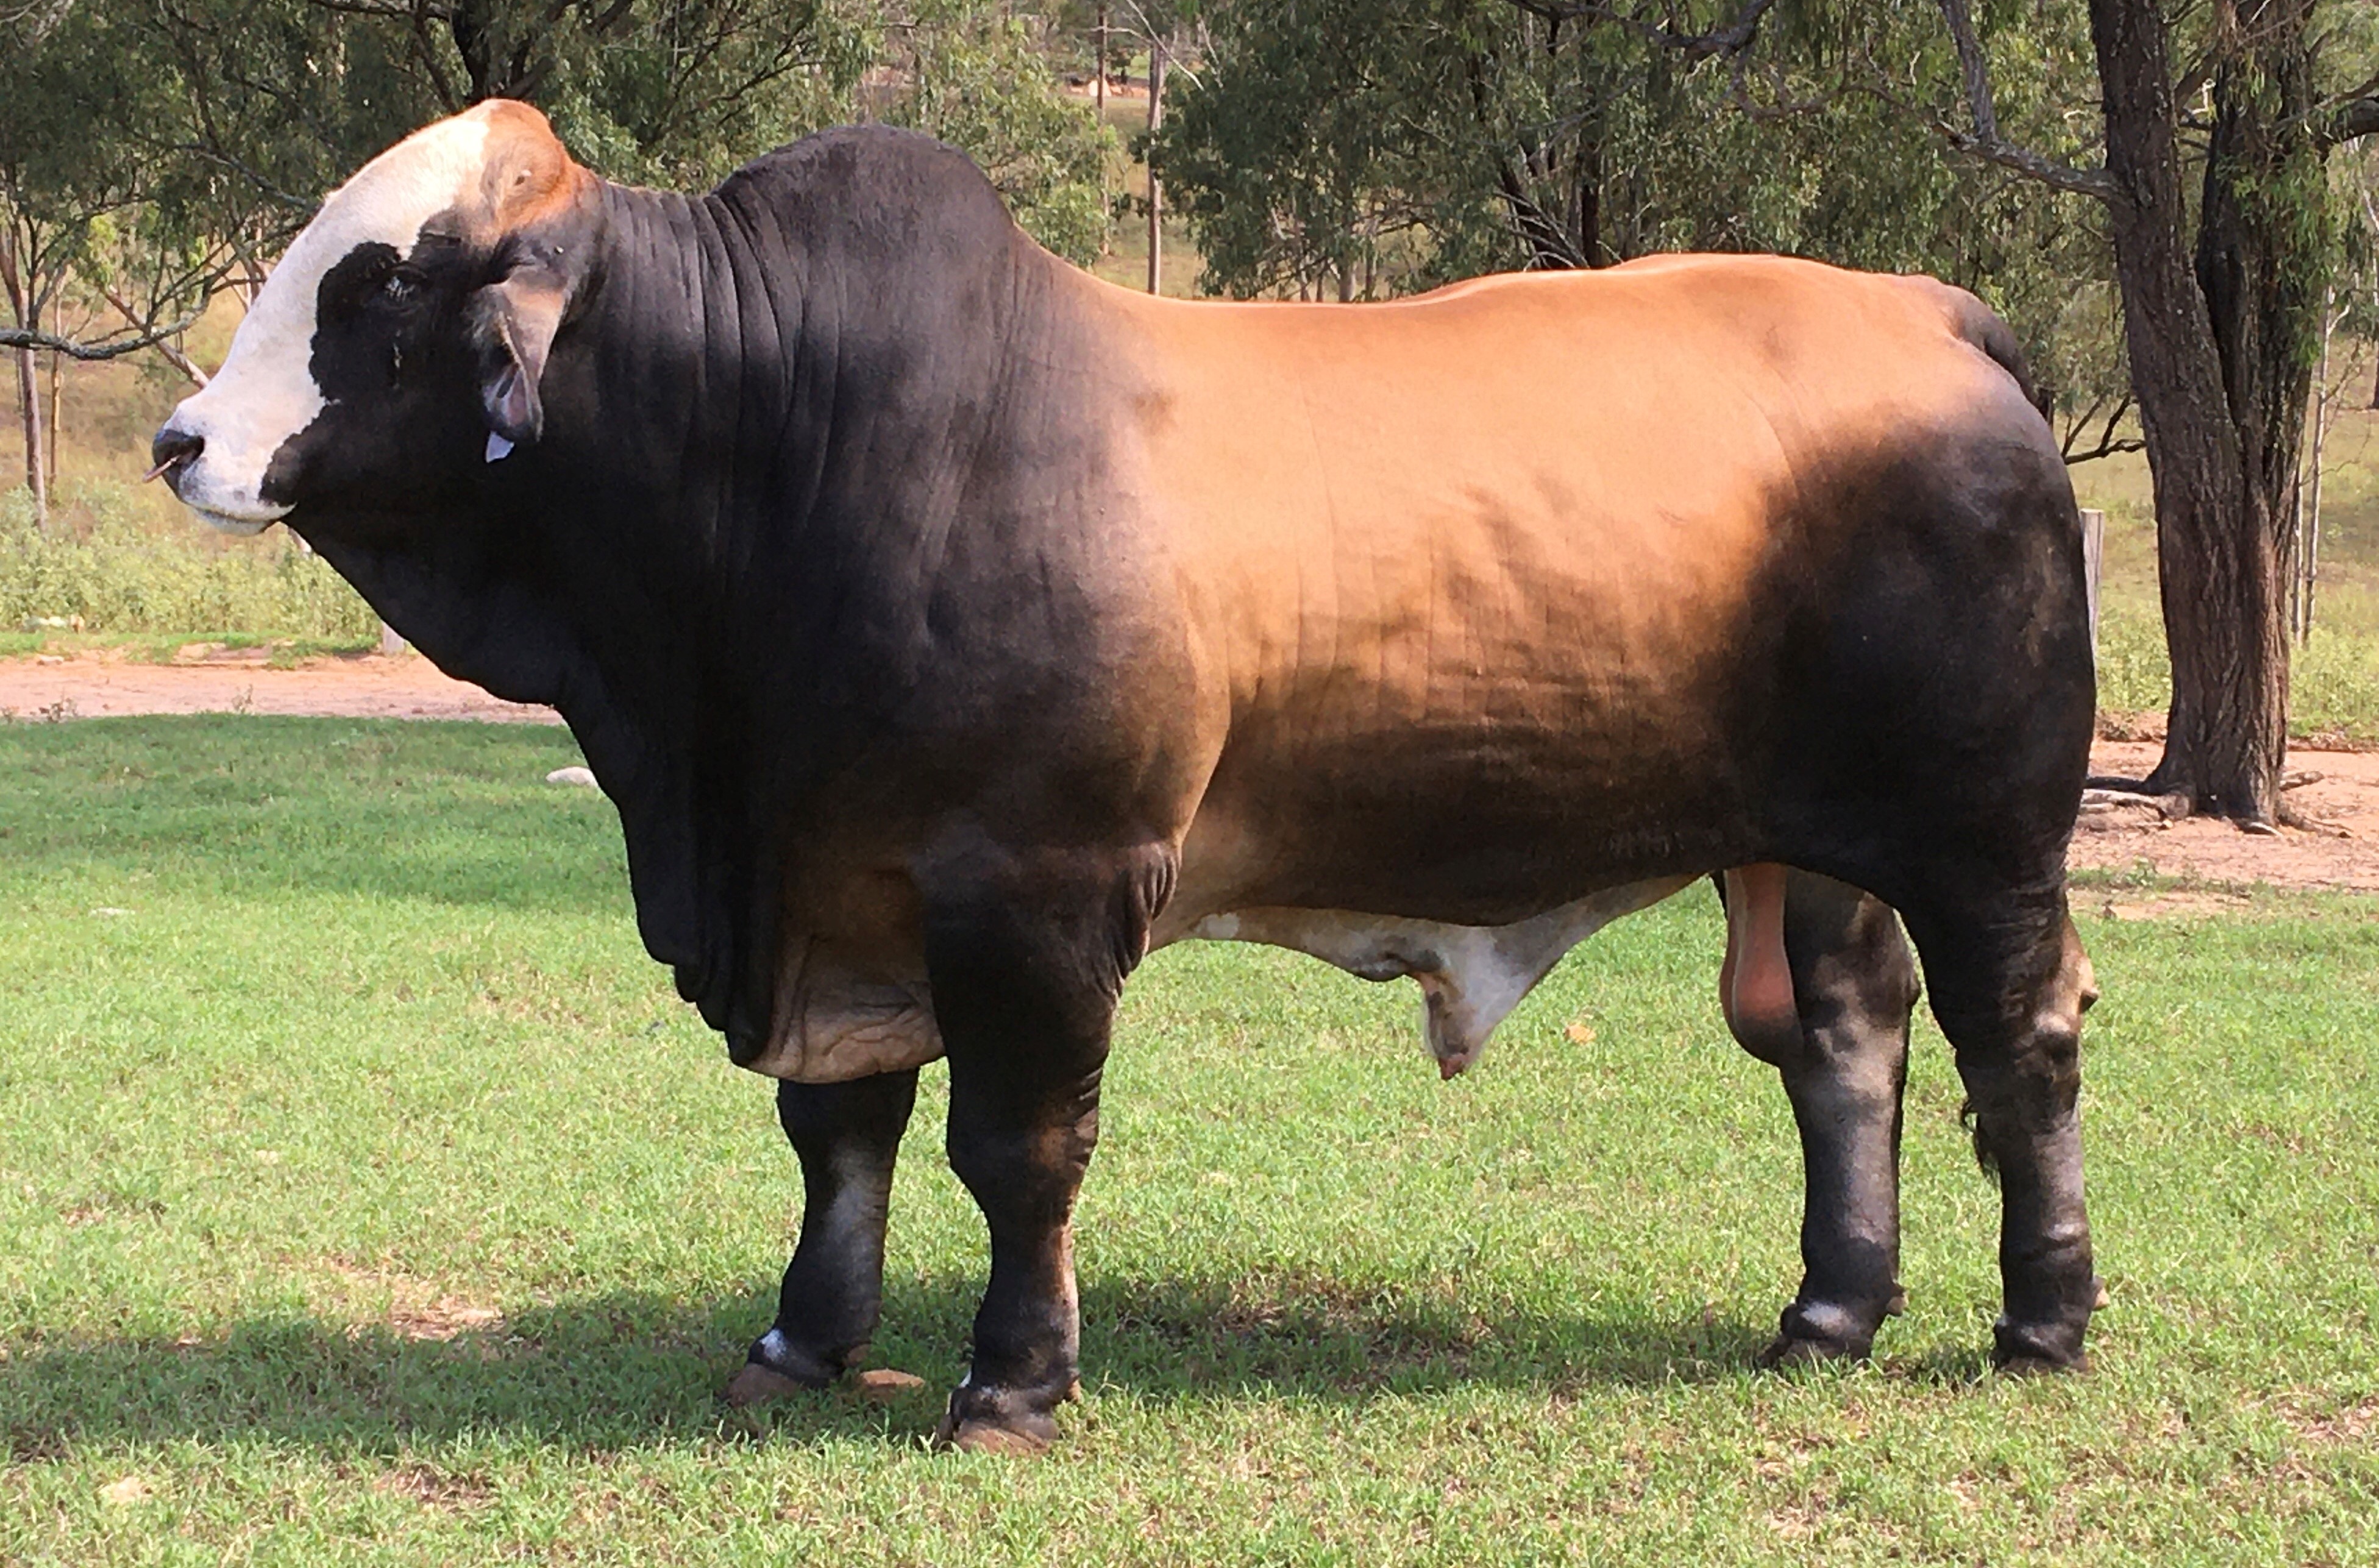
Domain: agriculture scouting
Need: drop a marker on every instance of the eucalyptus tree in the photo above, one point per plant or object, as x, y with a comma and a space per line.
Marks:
1357, 148
2218, 122
86, 212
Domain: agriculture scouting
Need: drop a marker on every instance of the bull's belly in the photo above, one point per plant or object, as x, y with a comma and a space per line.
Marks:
1471, 882
840, 1018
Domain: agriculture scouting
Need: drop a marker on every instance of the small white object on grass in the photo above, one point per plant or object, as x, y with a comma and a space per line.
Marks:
579, 776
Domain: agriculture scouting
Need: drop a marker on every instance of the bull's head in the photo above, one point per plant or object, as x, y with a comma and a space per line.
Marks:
398, 346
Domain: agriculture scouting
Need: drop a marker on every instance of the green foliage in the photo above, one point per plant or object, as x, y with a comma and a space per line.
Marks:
373, 1198
1378, 148
979, 79
219, 125
121, 575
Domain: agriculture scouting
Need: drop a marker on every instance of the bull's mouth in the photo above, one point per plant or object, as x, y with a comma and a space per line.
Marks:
245, 525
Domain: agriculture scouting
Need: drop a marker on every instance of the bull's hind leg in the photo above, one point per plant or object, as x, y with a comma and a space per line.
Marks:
1844, 1067
2010, 984
846, 1136
1026, 968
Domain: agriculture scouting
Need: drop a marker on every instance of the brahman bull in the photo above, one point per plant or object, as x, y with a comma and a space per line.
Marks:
953, 628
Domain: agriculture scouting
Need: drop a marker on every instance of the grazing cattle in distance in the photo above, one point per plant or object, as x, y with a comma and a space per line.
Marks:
951, 628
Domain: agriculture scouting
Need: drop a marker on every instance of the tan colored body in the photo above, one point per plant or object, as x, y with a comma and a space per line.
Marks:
1463, 586
1508, 530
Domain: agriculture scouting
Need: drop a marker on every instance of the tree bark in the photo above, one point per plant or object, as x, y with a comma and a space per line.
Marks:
1155, 196
58, 394
28, 400
19, 287
2216, 334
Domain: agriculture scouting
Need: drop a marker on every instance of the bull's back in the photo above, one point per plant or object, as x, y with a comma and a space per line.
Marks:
1506, 580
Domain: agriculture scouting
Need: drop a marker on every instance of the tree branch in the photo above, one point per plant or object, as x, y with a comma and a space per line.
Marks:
2355, 118
1729, 41
164, 346
109, 347
1986, 142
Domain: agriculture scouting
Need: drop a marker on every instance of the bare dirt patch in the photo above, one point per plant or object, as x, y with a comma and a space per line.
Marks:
204, 679
2345, 793
406, 1305
433, 1488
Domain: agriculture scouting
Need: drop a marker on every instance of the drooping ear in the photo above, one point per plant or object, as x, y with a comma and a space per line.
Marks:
514, 322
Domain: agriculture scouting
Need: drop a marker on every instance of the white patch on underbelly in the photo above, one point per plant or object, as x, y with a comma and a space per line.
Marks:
1471, 976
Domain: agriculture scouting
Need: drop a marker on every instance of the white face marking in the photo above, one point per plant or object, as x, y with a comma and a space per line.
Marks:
265, 391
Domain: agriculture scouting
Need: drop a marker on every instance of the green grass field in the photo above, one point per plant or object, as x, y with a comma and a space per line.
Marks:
370, 1198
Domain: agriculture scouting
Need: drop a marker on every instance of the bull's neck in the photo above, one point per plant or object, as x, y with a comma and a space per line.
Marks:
681, 380
756, 380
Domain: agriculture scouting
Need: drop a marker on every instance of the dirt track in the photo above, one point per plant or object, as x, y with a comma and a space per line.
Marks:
372, 686
405, 686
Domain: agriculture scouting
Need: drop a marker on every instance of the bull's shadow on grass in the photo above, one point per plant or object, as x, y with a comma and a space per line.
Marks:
618, 1372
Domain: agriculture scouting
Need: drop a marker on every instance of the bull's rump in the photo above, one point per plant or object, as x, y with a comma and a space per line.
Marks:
1548, 584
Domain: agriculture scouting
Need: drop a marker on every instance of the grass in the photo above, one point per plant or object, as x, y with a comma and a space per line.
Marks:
371, 1199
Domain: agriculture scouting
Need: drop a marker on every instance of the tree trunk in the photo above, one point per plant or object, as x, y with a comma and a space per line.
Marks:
57, 392
2309, 510
1155, 198
29, 401
2216, 346
19, 288
27, 391
1099, 70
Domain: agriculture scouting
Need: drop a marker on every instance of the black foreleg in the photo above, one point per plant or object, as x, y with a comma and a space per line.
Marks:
846, 1136
1026, 968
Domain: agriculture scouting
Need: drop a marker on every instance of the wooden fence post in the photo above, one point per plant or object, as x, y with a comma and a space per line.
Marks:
2094, 550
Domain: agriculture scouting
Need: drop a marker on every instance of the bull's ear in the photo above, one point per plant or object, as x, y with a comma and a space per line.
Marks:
515, 321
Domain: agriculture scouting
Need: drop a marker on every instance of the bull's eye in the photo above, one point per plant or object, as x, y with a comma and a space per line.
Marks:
398, 288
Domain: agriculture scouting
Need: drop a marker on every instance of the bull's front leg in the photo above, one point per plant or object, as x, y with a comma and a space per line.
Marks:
1026, 966
846, 1137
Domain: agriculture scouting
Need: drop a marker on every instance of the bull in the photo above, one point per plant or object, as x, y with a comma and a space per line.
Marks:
951, 629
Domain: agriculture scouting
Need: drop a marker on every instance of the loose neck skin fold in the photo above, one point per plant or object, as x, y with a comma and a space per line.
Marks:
762, 421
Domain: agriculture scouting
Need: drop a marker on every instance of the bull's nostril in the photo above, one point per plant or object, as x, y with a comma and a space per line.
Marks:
173, 452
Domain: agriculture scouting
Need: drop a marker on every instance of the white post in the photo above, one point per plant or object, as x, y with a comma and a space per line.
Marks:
2093, 551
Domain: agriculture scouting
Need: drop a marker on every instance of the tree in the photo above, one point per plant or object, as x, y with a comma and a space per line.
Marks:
79, 197
2221, 308
1354, 147
150, 149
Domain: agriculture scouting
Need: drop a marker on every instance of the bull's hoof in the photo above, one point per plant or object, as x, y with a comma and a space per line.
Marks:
779, 1369
1029, 1441
755, 1384
1788, 1350
982, 1420
2028, 1349
1811, 1331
